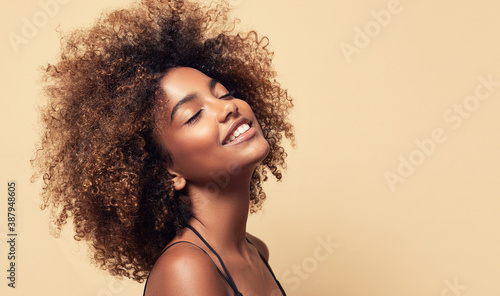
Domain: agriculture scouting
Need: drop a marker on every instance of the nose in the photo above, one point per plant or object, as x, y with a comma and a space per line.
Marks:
227, 108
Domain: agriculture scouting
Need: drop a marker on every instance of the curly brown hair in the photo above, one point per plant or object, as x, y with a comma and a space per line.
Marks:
101, 166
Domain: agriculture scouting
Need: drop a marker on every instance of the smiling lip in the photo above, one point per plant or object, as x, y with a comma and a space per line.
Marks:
243, 137
236, 124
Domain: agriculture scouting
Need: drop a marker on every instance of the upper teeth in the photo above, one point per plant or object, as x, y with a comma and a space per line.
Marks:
240, 130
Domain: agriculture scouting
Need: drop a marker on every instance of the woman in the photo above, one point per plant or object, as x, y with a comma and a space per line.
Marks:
161, 126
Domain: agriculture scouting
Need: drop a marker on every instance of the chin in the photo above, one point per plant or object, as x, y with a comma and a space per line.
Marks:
253, 157
261, 151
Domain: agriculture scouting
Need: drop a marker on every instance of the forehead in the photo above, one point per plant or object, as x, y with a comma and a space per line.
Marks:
178, 82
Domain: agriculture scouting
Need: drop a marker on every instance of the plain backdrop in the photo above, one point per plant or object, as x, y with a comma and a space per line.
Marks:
394, 186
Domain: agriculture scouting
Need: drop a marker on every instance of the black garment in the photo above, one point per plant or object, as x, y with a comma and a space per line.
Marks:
226, 276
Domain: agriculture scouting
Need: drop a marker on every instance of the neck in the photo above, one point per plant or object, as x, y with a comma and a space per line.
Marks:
220, 212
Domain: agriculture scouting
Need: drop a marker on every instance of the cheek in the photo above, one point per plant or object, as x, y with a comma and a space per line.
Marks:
190, 149
245, 109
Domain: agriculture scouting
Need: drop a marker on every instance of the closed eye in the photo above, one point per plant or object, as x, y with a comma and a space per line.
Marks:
195, 117
229, 94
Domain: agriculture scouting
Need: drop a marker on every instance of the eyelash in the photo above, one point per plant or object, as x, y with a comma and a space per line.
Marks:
229, 94
195, 117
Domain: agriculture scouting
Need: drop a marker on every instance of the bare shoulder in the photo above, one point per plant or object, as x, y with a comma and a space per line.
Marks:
184, 269
260, 245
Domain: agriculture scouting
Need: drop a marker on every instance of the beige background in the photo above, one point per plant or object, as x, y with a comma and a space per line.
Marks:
359, 116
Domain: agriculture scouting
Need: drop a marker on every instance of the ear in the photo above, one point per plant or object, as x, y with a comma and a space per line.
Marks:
179, 181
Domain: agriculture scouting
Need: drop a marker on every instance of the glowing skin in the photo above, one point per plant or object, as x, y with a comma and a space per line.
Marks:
201, 116
200, 124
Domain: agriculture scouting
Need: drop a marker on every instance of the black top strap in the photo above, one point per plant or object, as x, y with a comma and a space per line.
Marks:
228, 277
270, 269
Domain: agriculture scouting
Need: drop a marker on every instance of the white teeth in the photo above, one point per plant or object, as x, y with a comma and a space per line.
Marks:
240, 130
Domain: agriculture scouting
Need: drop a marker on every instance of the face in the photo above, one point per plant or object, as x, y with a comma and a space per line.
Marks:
206, 130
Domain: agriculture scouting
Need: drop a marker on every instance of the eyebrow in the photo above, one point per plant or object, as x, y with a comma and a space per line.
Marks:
211, 84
